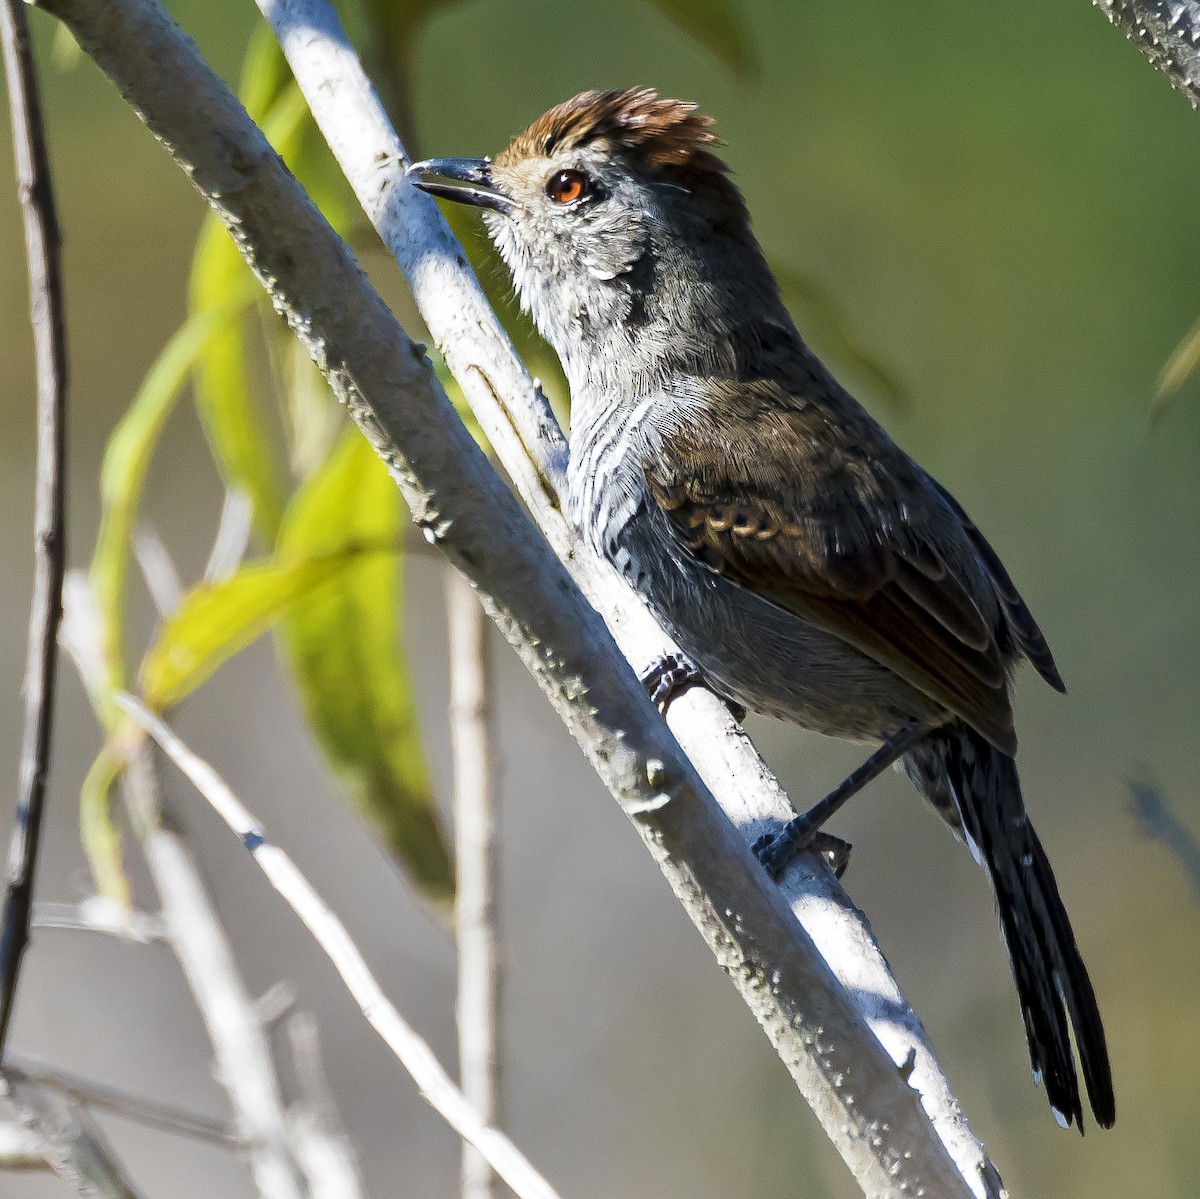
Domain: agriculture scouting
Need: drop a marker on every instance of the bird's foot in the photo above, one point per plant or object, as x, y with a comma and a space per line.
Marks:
671, 675
776, 850
668, 677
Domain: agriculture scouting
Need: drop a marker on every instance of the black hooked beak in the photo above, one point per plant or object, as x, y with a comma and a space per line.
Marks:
465, 172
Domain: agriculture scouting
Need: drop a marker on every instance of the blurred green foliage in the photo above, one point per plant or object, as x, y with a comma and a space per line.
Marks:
342, 644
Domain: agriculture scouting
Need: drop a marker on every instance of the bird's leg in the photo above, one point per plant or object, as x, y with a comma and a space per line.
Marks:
775, 850
671, 675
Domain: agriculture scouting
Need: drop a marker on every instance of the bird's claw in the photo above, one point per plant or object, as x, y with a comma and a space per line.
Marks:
775, 850
835, 851
671, 675
668, 677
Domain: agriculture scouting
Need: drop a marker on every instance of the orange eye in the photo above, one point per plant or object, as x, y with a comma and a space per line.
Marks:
566, 186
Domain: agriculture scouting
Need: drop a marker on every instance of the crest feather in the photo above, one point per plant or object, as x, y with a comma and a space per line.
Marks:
657, 132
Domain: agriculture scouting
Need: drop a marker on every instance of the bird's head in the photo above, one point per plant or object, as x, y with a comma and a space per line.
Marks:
618, 221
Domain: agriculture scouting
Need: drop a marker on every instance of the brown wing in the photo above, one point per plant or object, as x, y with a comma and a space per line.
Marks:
837, 525
1025, 630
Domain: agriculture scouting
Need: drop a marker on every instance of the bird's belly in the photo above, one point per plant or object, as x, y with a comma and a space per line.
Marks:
771, 661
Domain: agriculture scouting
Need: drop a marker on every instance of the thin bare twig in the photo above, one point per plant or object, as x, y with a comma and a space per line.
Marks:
318, 1139
158, 568
21, 1149
100, 915
42, 247
151, 1112
76, 1150
410, 1048
478, 1000
244, 1066
276, 1003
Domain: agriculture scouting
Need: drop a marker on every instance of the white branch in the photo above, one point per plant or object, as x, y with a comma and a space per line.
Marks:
240, 1050
318, 1140
478, 1001
410, 1048
193, 930
97, 914
74, 1148
233, 536
21, 1149
158, 568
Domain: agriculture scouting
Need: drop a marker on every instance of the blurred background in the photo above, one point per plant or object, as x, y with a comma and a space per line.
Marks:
1003, 199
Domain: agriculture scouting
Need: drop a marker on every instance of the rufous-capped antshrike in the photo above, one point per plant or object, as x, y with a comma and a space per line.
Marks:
806, 565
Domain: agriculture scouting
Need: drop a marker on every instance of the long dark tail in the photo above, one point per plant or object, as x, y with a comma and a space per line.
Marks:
976, 788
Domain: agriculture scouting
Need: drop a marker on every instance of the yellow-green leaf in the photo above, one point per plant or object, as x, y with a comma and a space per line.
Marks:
311, 416
101, 841
343, 646
264, 72
287, 122
718, 26
123, 475
802, 293
65, 51
233, 420
314, 417
216, 620
223, 389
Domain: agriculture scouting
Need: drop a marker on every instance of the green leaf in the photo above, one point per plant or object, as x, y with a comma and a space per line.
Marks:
265, 72
65, 52
287, 123
824, 313
343, 646
223, 389
123, 475
718, 26
314, 417
216, 620
232, 420
101, 841
122, 478
311, 416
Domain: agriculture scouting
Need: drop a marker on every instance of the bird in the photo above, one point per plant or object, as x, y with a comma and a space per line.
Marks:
806, 566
